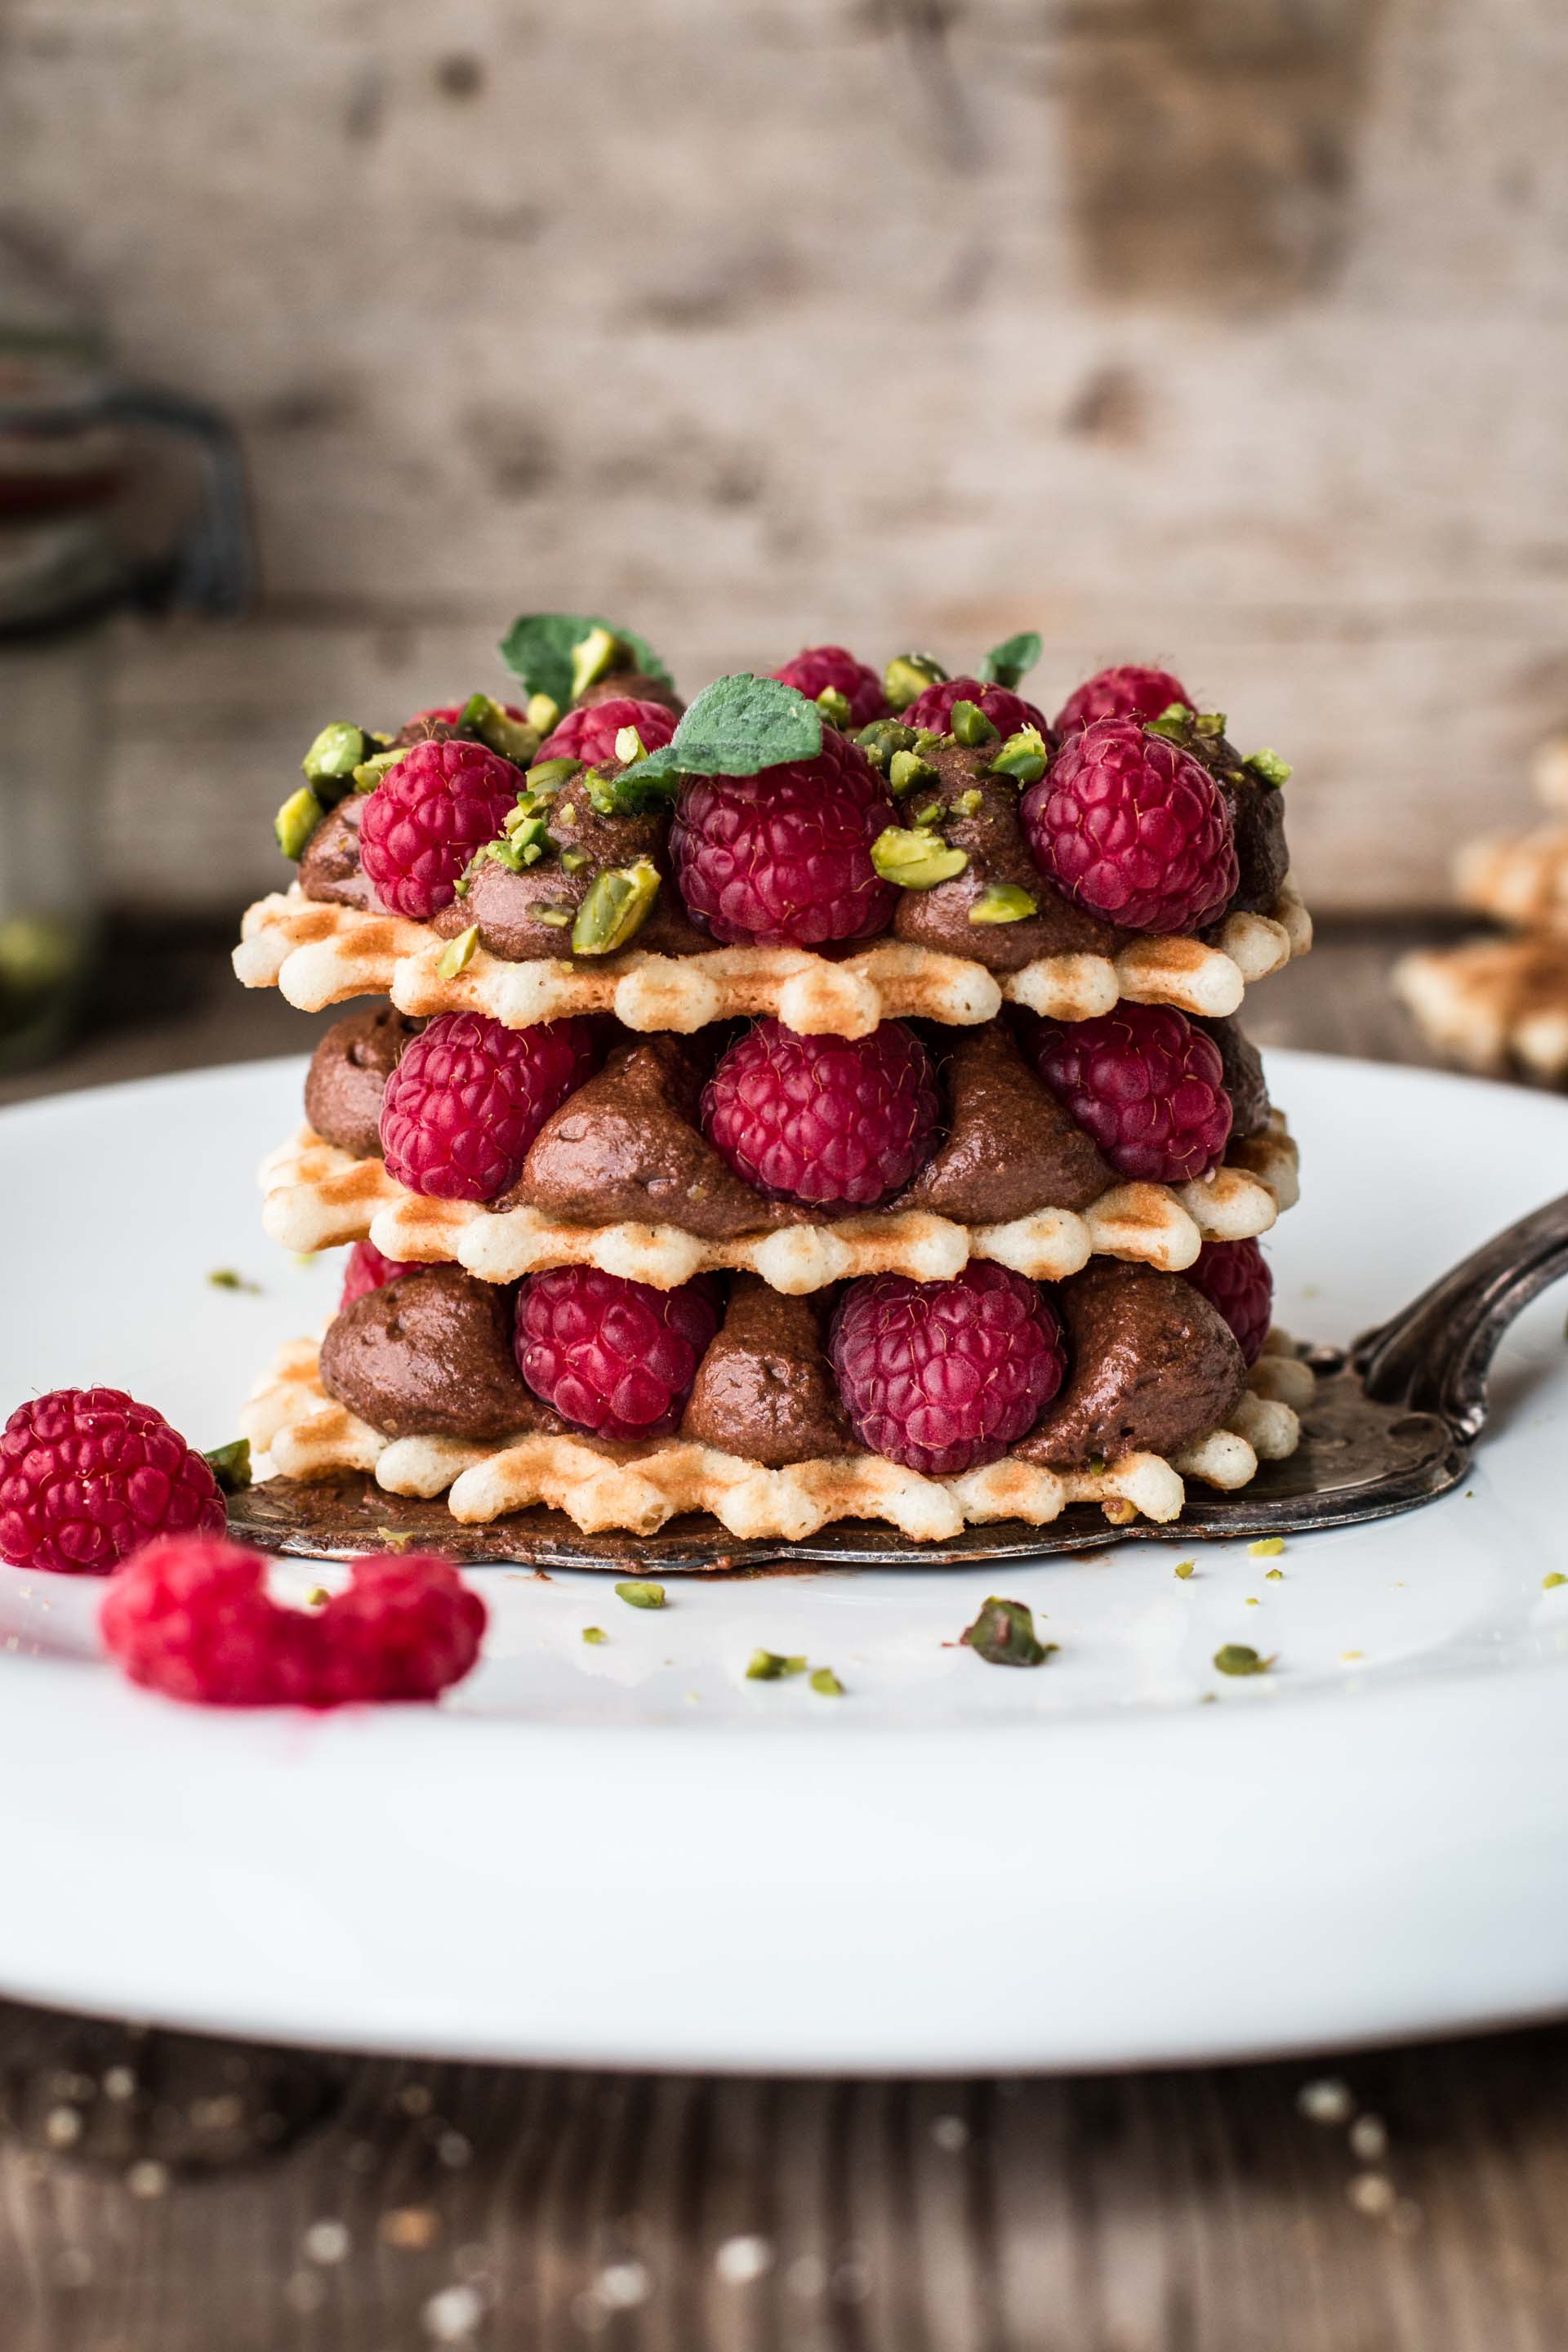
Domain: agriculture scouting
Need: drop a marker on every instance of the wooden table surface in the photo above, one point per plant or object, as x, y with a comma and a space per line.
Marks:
163, 2192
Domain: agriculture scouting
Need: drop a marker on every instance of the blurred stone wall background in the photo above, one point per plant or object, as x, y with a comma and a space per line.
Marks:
1232, 333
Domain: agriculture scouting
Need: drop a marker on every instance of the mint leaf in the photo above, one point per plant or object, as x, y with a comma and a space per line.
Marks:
538, 649
1006, 663
737, 727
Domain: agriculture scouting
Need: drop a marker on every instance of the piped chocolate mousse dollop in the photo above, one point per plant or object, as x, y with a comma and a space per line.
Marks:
981, 819
330, 869
764, 1390
430, 1355
1242, 1065
1257, 821
348, 1075
1154, 1367
634, 685
1010, 1148
626, 1147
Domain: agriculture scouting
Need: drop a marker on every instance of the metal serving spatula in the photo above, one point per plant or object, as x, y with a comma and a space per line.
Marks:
1393, 1425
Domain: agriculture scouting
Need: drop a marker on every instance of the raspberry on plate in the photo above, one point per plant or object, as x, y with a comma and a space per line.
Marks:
469, 1095
1128, 691
1146, 1085
367, 1270
427, 817
1007, 711
589, 732
1131, 827
192, 1617
783, 859
613, 1356
824, 1119
1235, 1277
944, 1376
832, 669
88, 1475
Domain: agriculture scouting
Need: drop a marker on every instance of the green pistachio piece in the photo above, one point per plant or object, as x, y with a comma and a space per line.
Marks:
1022, 756
458, 953
555, 917
629, 745
825, 1682
967, 804
572, 861
929, 739
1003, 902
908, 676
593, 658
834, 706
333, 756
1269, 768
1003, 1635
882, 739
767, 1666
618, 901
230, 1465
566, 814
915, 861
369, 772
530, 834
1239, 1658
641, 1593
296, 821
550, 776
594, 1635
1209, 724
907, 772
1174, 723
971, 726
544, 713
495, 727
929, 814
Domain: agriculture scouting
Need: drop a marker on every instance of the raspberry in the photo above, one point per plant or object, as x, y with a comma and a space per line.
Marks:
1128, 692
783, 859
824, 1119
819, 670
1007, 711
613, 1356
1146, 1085
427, 817
447, 714
469, 1097
192, 1617
1233, 1277
87, 1474
589, 734
943, 1376
367, 1270
1131, 827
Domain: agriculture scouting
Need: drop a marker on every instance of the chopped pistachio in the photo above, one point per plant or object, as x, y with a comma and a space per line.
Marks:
543, 712
971, 726
572, 861
929, 814
594, 1635
929, 739
907, 772
1251, 1601
495, 727
1269, 768
915, 861
616, 903
458, 953
882, 739
1238, 1658
566, 813
369, 772
549, 776
629, 745
640, 1593
555, 918
1267, 1547
1185, 1567
395, 1538
230, 1465
296, 821
1003, 1635
333, 756
223, 1277
316, 1597
825, 1682
908, 676
1022, 756
767, 1666
834, 706
967, 803
1209, 724
1003, 902
1274, 1576
1175, 722
593, 658
1549, 1582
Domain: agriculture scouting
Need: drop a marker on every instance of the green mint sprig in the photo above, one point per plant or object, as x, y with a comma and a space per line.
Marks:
737, 727
1006, 663
540, 648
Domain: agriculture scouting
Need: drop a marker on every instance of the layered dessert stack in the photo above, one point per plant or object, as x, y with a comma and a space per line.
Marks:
1499, 1003
824, 1102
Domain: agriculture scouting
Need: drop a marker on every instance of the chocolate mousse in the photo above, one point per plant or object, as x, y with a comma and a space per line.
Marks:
763, 1389
1257, 821
430, 1355
1241, 1064
1153, 1368
1011, 1147
348, 1075
634, 686
329, 868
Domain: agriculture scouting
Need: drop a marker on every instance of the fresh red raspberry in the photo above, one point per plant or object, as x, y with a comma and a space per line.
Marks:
1146, 1085
614, 1356
87, 1474
783, 859
589, 734
192, 1617
469, 1097
1235, 1277
1132, 827
818, 668
427, 817
367, 1270
1127, 692
943, 1376
447, 714
824, 1119
1007, 711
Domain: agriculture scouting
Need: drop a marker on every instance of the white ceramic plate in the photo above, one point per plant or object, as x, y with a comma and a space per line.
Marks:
628, 1855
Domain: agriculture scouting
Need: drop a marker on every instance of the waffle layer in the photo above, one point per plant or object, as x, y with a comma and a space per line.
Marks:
1520, 878
637, 1488
321, 954
1495, 1005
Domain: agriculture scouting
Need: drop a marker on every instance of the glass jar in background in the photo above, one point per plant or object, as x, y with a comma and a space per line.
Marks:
88, 526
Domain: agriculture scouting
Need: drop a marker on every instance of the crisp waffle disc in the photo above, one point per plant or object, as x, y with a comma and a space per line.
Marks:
318, 1197
1520, 878
1495, 1005
319, 954
306, 1434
